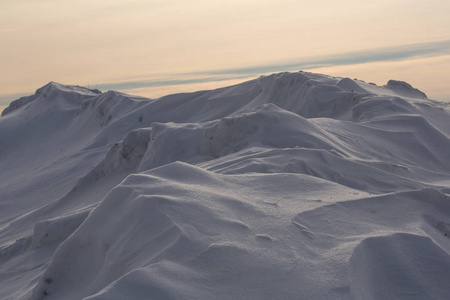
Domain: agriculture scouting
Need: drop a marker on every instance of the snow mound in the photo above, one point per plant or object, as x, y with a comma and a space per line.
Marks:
399, 266
182, 234
307, 95
352, 86
267, 126
321, 163
405, 89
168, 230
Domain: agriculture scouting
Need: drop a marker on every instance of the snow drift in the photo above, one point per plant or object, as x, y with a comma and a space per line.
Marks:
290, 186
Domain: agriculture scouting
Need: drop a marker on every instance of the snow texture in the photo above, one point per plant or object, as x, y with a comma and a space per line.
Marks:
289, 186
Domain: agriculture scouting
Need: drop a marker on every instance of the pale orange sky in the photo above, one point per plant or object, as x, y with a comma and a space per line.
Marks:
157, 47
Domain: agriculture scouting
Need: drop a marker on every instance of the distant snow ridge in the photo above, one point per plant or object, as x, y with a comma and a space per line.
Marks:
52, 91
289, 186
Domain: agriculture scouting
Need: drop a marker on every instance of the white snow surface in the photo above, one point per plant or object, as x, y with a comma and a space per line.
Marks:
290, 186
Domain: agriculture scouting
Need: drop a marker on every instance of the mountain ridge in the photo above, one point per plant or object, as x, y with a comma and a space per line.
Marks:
285, 179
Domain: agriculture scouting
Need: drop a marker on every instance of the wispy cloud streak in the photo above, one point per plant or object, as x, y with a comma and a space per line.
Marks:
351, 58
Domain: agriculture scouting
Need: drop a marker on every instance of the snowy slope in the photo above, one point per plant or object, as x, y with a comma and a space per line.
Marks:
290, 186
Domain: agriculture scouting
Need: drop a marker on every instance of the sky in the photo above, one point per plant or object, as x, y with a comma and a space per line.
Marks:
157, 47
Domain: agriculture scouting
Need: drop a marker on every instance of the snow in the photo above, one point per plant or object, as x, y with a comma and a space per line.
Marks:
289, 186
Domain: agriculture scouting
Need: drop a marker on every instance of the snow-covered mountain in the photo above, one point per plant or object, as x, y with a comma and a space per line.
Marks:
290, 186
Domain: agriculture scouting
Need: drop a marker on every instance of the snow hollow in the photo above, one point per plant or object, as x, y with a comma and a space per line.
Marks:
289, 186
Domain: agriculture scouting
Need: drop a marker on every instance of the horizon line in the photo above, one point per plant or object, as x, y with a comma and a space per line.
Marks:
398, 53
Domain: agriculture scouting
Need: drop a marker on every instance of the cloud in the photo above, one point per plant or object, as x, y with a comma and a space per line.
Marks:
352, 58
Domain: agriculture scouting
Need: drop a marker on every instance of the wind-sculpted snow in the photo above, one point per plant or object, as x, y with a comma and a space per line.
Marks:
289, 186
53, 91
182, 217
403, 266
267, 126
